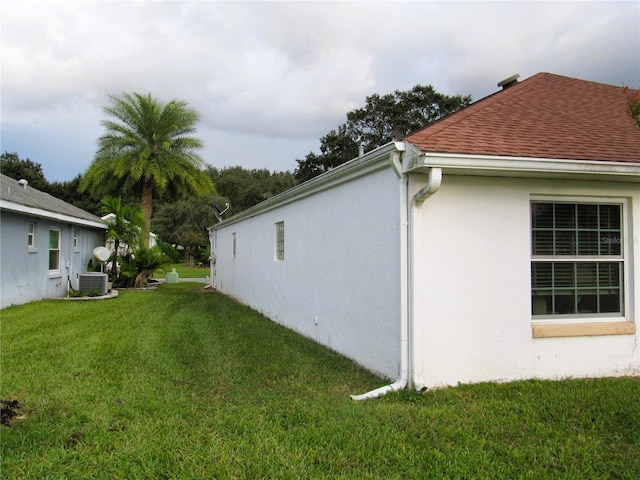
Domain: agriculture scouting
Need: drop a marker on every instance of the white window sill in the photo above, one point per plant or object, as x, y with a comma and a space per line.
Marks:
585, 329
55, 274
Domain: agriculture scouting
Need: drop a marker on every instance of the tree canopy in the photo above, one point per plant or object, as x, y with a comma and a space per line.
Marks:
370, 126
13, 166
244, 188
148, 148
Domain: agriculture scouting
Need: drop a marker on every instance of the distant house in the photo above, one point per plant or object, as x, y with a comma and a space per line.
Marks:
44, 243
499, 243
123, 248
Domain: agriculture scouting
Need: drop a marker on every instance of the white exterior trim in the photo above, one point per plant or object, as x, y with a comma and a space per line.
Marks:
38, 212
458, 164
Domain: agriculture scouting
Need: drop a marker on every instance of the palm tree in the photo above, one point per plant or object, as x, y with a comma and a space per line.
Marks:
148, 147
125, 226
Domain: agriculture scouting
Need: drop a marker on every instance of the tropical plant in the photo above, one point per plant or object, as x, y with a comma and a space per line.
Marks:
147, 261
138, 266
125, 225
148, 148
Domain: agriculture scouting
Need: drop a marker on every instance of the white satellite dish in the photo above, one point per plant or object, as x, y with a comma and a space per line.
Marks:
102, 253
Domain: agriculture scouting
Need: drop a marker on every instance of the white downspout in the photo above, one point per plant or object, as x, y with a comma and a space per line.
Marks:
415, 275
403, 377
212, 259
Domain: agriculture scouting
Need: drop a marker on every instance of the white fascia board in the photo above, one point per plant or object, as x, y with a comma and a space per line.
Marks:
372, 161
524, 167
38, 212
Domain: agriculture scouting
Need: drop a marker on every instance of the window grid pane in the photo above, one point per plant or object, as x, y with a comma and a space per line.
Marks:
280, 241
31, 235
577, 281
54, 250
576, 229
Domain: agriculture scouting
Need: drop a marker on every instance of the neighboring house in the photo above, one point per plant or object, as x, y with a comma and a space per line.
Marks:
123, 248
499, 243
44, 243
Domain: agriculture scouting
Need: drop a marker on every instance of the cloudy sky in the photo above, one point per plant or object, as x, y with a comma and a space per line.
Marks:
270, 78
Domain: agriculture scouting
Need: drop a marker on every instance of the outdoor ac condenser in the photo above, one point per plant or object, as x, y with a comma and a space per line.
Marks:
93, 281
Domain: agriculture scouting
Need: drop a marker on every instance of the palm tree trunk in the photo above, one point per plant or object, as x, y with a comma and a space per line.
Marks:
147, 207
114, 263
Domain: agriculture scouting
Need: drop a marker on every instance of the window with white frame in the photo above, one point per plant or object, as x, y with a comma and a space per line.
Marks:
54, 250
233, 245
280, 241
577, 259
75, 239
31, 235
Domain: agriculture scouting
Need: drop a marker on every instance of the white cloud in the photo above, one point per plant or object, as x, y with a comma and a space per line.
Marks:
268, 75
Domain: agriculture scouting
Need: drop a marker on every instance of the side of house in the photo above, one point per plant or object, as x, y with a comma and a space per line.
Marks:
528, 252
44, 243
500, 243
493, 300
323, 259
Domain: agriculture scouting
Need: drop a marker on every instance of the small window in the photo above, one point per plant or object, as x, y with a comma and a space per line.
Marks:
280, 241
54, 250
31, 235
233, 245
577, 261
75, 239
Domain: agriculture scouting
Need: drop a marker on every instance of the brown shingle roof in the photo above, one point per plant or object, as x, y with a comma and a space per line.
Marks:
545, 116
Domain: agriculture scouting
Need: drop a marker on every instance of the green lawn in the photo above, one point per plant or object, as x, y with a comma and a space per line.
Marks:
185, 271
182, 383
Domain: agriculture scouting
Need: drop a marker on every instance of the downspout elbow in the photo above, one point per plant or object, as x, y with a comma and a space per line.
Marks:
395, 158
432, 186
378, 392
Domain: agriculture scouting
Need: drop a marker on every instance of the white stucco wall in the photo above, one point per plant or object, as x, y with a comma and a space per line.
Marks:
475, 286
339, 281
24, 272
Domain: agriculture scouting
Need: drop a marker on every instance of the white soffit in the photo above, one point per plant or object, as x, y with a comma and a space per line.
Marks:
485, 165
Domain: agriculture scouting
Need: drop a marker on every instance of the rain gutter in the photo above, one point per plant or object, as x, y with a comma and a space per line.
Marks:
403, 378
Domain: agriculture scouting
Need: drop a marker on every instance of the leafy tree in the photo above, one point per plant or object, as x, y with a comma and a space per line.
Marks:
371, 125
13, 166
185, 223
149, 148
633, 98
244, 188
70, 193
125, 226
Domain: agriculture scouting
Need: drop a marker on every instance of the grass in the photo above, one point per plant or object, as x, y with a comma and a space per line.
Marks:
185, 271
186, 384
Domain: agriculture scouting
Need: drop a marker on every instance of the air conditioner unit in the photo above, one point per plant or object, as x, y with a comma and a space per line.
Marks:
93, 282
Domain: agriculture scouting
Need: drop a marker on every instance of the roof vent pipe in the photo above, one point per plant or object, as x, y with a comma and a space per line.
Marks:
361, 150
23, 182
509, 82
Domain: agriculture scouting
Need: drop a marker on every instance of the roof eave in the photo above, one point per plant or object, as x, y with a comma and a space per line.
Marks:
38, 212
505, 166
